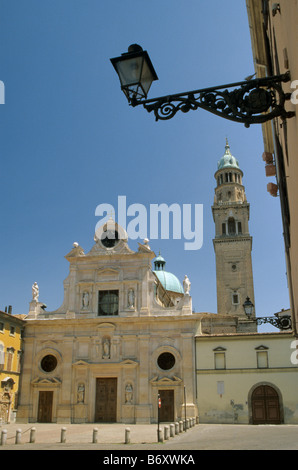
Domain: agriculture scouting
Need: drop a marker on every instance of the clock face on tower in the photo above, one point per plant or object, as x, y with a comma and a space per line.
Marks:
109, 238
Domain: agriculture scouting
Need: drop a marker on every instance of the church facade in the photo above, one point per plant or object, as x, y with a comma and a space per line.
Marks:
126, 335
119, 340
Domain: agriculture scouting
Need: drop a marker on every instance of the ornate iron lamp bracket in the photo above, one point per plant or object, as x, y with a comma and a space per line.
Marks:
248, 102
283, 323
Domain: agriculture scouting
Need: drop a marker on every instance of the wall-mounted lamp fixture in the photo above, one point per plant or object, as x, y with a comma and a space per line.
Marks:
248, 102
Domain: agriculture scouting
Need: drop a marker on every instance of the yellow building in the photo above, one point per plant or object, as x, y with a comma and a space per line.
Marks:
273, 29
11, 329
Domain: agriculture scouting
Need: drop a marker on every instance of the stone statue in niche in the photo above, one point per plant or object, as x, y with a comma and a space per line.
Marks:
35, 292
85, 300
81, 393
106, 347
128, 394
131, 299
186, 285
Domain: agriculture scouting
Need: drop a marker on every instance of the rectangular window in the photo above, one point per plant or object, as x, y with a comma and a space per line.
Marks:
9, 360
262, 359
1, 326
235, 299
2, 356
12, 330
220, 360
108, 302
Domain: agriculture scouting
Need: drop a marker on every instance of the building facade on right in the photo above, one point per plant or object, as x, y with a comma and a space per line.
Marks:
248, 378
274, 37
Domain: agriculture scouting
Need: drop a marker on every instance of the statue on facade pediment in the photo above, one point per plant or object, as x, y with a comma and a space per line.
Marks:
35, 292
186, 285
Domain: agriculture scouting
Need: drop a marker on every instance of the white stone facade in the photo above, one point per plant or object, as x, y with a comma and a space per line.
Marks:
73, 351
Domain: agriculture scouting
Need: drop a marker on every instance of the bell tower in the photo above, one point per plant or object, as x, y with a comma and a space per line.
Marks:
232, 242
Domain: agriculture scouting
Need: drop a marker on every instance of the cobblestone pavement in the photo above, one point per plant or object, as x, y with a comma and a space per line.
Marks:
111, 437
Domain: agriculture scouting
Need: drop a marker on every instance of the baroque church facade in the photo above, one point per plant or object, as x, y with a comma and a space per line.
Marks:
126, 334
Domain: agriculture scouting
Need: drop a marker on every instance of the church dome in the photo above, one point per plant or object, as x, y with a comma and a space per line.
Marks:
168, 280
227, 160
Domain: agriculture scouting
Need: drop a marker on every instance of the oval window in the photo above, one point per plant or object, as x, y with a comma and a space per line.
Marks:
48, 363
166, 361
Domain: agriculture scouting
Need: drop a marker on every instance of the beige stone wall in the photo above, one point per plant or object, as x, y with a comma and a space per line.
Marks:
135, 345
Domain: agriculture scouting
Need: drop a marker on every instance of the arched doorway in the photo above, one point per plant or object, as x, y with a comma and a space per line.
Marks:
265, 405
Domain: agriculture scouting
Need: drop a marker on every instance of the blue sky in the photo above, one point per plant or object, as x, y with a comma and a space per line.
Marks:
69, 141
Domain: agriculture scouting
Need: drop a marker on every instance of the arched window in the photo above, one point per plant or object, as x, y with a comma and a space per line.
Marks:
231, 226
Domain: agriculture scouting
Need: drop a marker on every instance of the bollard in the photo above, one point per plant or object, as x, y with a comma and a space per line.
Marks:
127, 435
63, 435
159, 435
176, 428
197, 420
32, 435
166, 432
95, 434
18, 436
172, 430
3, 437
180, 426
187, 423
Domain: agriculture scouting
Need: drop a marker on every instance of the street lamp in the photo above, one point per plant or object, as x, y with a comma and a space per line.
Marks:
136, 73
248, 102
283, 322
248, 307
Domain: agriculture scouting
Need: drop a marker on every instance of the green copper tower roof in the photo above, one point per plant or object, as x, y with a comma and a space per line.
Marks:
227, 160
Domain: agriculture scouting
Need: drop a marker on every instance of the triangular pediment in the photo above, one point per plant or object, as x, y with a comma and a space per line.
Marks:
108, 274
129, 363
80, 362
165, 380
46, 381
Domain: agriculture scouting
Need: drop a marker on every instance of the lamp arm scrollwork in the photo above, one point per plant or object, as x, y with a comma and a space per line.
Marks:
248, 102
283, 323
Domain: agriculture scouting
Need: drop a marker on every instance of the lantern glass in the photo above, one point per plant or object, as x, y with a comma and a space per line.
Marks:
136, 73
248, 307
